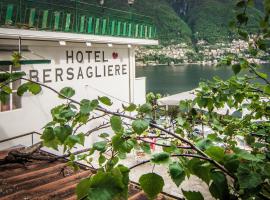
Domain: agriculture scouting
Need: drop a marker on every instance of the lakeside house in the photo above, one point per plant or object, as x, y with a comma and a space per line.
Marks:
68, 43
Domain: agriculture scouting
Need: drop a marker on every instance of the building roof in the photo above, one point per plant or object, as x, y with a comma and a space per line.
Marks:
43, 180
174, 100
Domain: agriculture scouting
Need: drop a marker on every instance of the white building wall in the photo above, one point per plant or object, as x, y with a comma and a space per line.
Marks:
35, 111
140, 90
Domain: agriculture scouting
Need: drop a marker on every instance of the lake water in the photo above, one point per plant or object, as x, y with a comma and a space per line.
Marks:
173, 80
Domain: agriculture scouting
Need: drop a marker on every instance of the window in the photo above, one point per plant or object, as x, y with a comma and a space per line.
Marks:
13, 101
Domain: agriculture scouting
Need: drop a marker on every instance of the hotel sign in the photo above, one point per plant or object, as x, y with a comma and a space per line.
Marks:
81, 65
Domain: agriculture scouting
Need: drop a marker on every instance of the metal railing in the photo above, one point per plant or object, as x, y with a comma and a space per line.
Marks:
74, 16
21, 136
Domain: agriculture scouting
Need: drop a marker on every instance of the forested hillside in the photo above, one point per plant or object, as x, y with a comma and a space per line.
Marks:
169, 24
187, 20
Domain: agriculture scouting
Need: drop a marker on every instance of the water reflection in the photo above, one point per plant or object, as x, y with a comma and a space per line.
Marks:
172, 80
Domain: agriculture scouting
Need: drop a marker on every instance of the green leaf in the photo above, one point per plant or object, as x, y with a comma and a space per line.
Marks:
200, 169
48, 134
121, 145
116, 124
4, 97
145, 147
67, 92
263, 75
247, 178
122, 155
107, 185
49, 139
129, 108
86, 106
177, 173
160, 158
6, 89
101, 159
139, 126
183, 106
62, 133
219, 179
231, 162
22, 89
105, 100
152, 184
82, 188
267, 89
104, 135
34, 88
100, 146
243, 154
192, 195
117, 142
100, 194
215, 152
145, 108
243, 34
75, 139
204, 144
17, 75
236, 68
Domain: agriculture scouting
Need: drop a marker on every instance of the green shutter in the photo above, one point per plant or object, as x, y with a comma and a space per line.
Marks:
113, 27
90, 25
141, 31
104, 26
154, 32
97, 26
9, 14
125, 29
56, 20
67, 24
146, 31
32, 17
150, 32
119, 28
137, 30
129, 29
44, 19
82, 22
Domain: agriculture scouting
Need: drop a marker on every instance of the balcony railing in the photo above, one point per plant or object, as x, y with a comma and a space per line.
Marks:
74, 17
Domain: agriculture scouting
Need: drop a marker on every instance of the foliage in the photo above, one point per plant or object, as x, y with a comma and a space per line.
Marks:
230, 169
171, 28
187, 20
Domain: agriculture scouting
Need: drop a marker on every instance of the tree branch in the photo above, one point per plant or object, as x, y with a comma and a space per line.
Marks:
153, 125
163, 145
175, 155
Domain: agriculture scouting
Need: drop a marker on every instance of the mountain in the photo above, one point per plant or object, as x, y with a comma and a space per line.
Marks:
170, 26
209, 19
190, 20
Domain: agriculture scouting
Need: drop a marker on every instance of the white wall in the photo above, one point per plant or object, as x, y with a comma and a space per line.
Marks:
35, 111
140, 90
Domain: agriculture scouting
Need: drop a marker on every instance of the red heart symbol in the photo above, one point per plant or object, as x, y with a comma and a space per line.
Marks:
114, 55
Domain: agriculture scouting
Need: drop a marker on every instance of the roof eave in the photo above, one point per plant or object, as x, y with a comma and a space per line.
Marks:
73, 37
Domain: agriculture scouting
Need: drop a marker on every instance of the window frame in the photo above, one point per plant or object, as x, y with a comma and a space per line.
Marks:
11, 95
